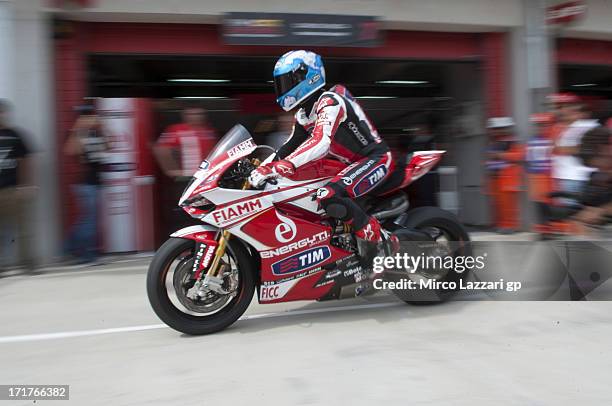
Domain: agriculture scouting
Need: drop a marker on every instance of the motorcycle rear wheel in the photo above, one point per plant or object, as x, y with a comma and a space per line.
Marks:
434, 221
186, 320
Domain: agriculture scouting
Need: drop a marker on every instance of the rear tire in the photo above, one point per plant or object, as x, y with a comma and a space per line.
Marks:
188, 323
427, 219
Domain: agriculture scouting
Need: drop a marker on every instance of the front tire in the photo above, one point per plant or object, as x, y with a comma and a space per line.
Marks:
445, 228
189, 322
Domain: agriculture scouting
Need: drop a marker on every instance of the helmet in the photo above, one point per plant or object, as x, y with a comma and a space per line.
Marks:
297, 75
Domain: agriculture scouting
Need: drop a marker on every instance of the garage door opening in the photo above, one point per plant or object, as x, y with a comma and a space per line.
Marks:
415, 105
593, 83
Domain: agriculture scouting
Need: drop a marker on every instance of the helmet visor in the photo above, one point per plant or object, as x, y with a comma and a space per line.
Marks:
287, 81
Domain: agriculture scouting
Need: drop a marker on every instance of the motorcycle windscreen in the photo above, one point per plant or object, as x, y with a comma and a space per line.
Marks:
236, 142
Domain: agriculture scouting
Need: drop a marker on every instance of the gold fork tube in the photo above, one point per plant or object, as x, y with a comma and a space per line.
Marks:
225, 235
219, 252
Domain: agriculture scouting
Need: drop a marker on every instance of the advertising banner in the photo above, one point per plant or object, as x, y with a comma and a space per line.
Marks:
565, 12
300, 29
118, 211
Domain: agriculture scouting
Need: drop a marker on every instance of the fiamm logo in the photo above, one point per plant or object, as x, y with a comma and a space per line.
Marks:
301, 260
237, 211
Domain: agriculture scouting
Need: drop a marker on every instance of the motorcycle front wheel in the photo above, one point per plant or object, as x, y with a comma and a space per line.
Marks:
170, 288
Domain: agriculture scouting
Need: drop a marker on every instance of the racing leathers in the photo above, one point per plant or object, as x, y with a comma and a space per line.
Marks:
338, 127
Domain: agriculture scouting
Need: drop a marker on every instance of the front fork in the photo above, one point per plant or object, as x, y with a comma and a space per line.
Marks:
212, 280
219, 253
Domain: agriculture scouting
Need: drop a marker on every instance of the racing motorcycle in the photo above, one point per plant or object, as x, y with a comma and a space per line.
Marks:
278, 242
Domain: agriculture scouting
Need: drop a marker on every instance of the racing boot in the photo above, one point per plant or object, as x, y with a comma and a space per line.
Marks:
369, 243
373, 241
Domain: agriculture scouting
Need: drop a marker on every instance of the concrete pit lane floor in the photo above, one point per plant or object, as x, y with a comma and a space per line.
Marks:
94, 330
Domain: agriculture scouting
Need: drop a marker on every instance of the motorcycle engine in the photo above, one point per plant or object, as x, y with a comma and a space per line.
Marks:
343, 239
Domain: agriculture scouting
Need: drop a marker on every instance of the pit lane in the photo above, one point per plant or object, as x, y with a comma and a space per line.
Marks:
95, 331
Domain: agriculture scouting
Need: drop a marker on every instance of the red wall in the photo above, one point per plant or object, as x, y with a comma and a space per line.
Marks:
584, 51
116, 38
205, 39
70, 85
494, 51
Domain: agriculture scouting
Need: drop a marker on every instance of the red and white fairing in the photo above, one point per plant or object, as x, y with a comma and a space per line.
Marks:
282, 222
420, 163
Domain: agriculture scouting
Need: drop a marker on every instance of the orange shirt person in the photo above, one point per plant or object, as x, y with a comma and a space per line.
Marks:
504, 158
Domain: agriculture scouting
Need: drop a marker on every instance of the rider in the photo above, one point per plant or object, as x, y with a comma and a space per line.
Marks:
329, 123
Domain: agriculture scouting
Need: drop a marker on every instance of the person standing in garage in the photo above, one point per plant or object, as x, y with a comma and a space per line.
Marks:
504, 158
89, 144
179, 152
183, 146
569, 172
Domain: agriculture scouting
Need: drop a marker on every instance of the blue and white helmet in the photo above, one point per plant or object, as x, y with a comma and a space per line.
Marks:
297, 75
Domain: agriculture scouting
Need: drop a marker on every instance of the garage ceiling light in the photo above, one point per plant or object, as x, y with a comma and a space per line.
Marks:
403, 82
199, 80
375, 97
585, 84
200, 97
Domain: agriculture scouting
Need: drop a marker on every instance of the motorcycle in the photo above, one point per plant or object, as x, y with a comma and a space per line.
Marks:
278, 242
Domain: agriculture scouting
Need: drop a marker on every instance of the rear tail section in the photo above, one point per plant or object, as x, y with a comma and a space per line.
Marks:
419, 163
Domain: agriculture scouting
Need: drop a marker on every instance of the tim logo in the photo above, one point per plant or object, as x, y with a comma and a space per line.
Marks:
302, 260
370, 180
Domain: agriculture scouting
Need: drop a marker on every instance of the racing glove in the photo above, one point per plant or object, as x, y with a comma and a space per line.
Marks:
269, 171
322, 196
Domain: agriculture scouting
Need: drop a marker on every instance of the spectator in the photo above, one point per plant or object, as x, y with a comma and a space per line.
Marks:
182, 147
17, 190
504, 155
539, 158
88, 143
561, 105
179, 152
569, 173
539, 166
